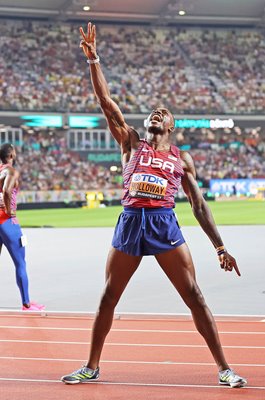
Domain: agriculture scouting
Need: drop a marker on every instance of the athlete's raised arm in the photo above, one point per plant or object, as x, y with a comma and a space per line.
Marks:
203, 213
117, 125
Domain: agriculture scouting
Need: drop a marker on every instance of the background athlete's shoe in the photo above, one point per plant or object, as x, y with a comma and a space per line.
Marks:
33, 307
228, 377
82, 375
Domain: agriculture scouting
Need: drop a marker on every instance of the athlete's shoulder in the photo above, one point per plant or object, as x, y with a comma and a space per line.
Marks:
7, 169
185, 155
175, 150
133, 132
187, 162
134, 137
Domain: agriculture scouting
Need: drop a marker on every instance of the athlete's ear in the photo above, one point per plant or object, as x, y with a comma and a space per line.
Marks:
145, 123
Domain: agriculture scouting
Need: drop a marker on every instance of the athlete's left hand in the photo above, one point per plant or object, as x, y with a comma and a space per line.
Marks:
228, 263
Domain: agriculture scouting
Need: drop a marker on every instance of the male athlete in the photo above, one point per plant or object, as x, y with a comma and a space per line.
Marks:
153, 170
10, 231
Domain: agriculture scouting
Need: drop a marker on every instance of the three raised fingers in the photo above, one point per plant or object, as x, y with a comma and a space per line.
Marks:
91, 33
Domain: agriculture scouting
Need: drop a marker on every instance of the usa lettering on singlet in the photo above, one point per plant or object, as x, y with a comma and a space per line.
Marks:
152, 178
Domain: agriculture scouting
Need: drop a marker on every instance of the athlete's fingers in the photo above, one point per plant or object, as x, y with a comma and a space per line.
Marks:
88, 30
93, 33
85, 44
82, 33
237, 269
229, 266
225, 263
221, 260
83, 48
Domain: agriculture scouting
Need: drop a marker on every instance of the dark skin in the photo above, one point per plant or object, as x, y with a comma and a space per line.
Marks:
176, 263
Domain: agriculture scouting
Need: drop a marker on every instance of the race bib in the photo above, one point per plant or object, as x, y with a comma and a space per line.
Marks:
148, 186
23, 240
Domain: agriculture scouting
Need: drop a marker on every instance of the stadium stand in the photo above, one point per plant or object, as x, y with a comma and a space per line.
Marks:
47, 164
190, 71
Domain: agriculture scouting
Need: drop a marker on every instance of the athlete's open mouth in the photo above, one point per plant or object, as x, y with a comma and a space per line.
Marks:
156, 117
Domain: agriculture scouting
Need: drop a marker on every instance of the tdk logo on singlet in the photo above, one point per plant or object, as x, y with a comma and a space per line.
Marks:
151, 179
157, 163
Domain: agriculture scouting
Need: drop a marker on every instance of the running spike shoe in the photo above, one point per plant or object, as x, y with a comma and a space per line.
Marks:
33, 307
229, 378
82, 375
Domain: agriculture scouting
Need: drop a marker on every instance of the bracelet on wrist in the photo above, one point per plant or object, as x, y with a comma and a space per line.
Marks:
93, 61
220, 250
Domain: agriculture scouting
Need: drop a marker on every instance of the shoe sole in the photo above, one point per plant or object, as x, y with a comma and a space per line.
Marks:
234, 385
76, 382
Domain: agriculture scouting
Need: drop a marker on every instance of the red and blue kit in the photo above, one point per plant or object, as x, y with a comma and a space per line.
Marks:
148, 224
152, 178
13, 239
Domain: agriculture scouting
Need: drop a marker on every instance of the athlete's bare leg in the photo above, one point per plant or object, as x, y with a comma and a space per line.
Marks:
178, 266
119, 269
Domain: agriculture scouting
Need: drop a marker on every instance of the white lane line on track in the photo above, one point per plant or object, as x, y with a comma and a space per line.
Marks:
120, 315
160, 385
125, 361
199, 346
126, 330
134, 384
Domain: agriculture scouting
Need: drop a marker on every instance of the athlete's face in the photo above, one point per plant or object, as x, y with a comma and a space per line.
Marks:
160, 120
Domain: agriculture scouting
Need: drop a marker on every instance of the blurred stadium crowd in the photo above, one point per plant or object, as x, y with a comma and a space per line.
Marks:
193, 71
47, 164
190, 71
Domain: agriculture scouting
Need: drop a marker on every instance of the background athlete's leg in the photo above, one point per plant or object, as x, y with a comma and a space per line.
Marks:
11, 237
178, 266
119, 269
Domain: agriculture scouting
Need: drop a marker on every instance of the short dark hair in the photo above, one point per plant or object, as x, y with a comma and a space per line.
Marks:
5, 150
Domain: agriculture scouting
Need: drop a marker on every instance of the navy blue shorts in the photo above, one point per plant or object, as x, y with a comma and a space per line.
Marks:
147, 231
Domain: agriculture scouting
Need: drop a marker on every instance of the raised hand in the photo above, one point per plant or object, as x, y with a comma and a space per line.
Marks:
228, 263
88, 42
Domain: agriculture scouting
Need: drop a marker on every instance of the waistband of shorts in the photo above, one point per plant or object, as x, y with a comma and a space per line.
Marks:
140, 210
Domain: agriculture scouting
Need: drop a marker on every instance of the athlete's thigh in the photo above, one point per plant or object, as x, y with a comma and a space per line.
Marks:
119, 269
178, 266
11, 233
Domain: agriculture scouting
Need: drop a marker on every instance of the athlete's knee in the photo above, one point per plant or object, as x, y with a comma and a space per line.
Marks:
108, 300
194, 298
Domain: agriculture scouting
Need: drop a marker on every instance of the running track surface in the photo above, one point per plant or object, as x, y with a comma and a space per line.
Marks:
143, 358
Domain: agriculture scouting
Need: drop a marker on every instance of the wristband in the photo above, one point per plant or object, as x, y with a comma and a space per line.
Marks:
94, 61
220, 250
